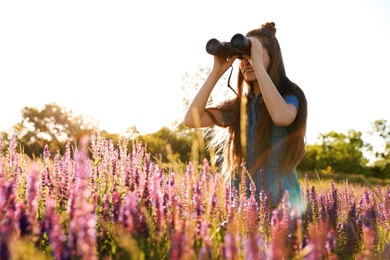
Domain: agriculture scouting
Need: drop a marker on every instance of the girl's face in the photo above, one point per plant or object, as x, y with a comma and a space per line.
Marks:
247, 70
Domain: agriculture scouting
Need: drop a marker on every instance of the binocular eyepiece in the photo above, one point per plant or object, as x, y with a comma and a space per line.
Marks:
238, 45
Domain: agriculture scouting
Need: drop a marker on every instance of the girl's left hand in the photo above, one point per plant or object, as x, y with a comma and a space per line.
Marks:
256, 51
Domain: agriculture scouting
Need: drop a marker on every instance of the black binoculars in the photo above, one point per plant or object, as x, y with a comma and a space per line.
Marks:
238, 45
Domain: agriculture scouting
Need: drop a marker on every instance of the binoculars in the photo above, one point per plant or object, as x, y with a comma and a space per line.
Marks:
238, 45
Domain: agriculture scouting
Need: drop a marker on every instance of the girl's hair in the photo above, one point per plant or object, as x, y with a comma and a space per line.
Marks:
293, 145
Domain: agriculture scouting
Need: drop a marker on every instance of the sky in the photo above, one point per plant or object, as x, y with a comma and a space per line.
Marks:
123, 62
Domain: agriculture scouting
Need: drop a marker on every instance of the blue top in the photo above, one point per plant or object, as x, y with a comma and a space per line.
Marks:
271, 174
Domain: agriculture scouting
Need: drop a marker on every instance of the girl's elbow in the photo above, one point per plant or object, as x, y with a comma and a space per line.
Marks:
188, 122
284, 119
281, 121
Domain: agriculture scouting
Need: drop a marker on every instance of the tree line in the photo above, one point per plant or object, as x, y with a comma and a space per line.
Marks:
55, 126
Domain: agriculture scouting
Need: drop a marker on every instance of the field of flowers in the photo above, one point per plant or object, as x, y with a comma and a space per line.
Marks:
101, 202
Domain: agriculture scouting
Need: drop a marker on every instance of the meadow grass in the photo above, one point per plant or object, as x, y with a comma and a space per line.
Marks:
102, 202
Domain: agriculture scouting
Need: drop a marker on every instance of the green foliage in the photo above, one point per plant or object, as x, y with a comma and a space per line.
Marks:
53, 126
381, 167
180, 140
343, 153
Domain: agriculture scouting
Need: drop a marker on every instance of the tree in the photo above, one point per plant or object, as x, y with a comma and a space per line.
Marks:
170, 145
343, 153
381, 129
310, 160
132, 133
381, 167
53, 126
191, 83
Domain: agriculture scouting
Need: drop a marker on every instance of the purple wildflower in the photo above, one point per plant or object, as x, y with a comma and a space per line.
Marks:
1, 144
252, 211
157, 200
2, 171
205, 251
55, 232
105, 208
177, 248
116, 204
253, 248
22, 219
12, 155
353, 230
279, 234
230, 250
294, 239
317, 240
32, 198
197, 198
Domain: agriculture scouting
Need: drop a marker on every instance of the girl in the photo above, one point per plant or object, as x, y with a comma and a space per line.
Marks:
268, 108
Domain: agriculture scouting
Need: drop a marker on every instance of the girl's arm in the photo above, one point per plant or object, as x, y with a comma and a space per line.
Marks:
196, 115
282, 113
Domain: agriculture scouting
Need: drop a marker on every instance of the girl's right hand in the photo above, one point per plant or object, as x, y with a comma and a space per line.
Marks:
221, 65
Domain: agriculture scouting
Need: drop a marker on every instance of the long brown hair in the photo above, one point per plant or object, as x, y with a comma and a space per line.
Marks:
294, 144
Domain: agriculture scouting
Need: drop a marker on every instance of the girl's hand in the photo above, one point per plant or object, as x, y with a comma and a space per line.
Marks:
256, 51
221, 65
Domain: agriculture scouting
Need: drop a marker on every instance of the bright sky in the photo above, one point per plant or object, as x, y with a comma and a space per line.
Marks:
123, 61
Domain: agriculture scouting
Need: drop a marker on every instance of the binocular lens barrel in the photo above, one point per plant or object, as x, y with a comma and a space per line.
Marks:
212, 46
241, 43
238, 45
237, 42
